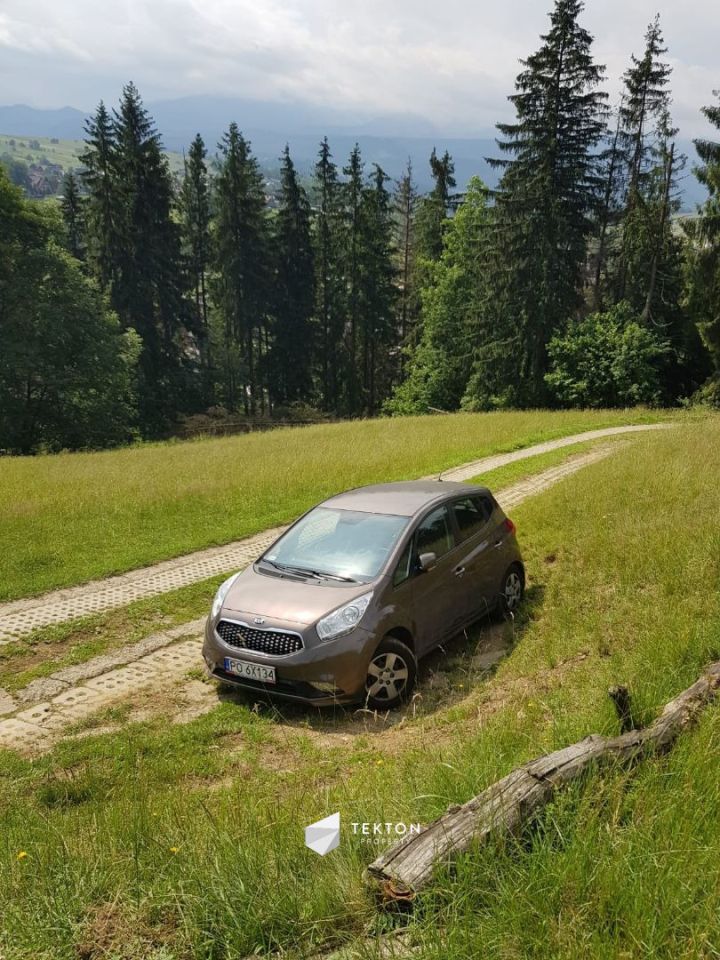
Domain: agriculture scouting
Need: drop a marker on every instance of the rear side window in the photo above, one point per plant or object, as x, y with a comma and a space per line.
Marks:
433, 534
488, 504
471, 515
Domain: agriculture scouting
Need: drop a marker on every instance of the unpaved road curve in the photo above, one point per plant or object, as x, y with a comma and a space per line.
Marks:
20, 617
41, 714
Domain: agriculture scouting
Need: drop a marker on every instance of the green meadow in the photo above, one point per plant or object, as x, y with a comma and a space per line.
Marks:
68, 518
145, 838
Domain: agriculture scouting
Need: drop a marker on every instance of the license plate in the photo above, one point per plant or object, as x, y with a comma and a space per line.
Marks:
250, 671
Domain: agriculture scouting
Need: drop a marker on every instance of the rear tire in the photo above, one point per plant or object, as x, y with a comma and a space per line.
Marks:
391, 676
512, 589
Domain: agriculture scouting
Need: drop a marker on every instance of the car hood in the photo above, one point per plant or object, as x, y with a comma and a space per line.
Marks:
280, 598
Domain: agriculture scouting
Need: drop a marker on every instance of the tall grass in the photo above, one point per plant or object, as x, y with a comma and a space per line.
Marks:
68, 518
188, 841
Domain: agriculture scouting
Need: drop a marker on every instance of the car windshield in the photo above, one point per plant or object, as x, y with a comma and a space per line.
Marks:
345, 544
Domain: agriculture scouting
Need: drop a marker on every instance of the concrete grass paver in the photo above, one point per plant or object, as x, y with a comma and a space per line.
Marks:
20, 617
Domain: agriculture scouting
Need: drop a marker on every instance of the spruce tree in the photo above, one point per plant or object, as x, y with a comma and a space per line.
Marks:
646, 98
645, 105
612, 174
293, 333
352, 207
329, 291
433, 209
662, 204
148, 288
103, 213
241, 262
548, 194
703, 294
406, 200
73, 213
377, 290
195, 217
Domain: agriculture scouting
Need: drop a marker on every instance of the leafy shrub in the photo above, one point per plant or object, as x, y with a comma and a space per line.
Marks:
607, 360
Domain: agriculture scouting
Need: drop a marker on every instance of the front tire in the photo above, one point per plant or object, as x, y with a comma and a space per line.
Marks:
512, 589
391, 675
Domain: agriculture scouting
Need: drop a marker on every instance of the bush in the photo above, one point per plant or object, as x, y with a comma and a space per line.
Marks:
607, 360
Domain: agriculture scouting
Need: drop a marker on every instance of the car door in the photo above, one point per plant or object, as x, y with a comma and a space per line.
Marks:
437, 593
476, 554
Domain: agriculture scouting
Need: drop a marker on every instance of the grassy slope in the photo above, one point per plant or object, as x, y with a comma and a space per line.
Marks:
68, 518
49, 648
66, 153
168, 842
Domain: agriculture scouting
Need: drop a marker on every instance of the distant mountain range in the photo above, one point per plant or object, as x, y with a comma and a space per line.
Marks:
388, 140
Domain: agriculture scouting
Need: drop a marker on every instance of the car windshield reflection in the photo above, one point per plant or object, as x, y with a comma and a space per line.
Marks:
338, 544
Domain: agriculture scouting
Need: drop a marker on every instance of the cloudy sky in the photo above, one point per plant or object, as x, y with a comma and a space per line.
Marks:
451, 63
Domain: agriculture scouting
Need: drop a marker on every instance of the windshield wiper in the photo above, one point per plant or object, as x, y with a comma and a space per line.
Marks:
286, 568
304, 571
332, 576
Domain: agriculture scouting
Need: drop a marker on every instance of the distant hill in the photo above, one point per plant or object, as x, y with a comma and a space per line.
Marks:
388, 140
65, 123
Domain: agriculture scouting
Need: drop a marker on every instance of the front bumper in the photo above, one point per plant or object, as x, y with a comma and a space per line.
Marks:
342, 662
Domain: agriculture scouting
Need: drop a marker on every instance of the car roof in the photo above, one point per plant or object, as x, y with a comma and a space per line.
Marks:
403, 499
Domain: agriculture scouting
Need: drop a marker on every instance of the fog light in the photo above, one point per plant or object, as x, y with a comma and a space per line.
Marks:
325, 686
210, 664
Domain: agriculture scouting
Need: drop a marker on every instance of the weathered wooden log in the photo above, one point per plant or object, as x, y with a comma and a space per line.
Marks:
406, 867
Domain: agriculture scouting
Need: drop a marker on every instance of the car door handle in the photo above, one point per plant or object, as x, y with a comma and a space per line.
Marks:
459, 571
498, 543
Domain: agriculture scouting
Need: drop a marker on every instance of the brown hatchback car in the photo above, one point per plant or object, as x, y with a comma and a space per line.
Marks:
342, 606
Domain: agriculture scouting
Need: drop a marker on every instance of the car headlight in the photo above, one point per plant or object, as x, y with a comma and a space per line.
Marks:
221, 594
344, 619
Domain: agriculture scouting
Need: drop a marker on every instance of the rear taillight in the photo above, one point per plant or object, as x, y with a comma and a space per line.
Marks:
509, 525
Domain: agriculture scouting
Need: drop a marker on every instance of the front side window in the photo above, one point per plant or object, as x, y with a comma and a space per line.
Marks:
434, 535
342, 543
405, 565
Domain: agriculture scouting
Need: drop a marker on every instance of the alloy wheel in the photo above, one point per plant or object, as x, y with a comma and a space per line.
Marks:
387, 677
512, 592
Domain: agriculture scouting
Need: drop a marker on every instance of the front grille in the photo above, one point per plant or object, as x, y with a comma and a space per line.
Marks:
272, 642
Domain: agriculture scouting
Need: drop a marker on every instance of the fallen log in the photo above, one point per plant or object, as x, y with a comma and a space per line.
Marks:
405, 868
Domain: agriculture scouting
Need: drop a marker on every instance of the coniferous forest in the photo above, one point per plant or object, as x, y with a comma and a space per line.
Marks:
144, 304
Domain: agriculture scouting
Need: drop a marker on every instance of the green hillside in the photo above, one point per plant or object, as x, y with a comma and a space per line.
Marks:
23, 155
93, 514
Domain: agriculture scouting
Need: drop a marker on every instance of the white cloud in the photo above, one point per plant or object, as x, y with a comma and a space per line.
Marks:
453, 63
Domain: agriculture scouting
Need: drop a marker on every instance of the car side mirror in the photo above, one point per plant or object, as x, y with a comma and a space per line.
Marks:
426, 561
